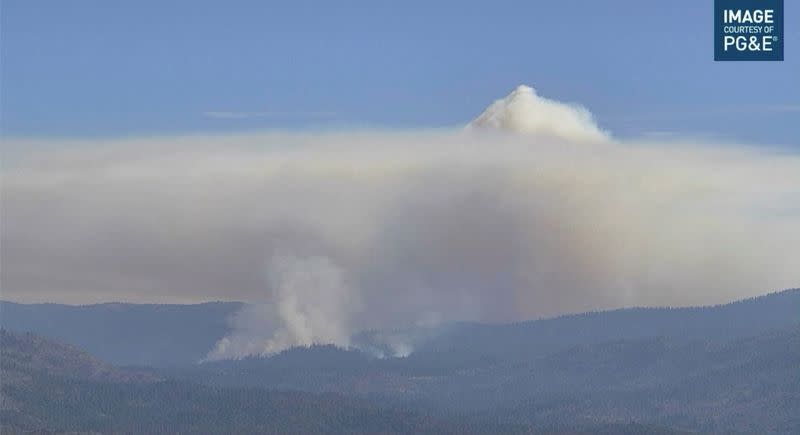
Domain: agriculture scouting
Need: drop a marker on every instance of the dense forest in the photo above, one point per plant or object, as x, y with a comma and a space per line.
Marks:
713, 386
49, 386
41, 394
727, 369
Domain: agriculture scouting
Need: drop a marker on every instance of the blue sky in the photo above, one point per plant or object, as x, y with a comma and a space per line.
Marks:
98, 68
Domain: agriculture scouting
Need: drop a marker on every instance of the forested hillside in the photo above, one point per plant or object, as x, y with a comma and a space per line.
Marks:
51, 387
727, 369
712, 386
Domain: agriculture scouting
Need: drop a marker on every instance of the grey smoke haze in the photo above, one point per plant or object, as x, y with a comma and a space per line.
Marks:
330, 233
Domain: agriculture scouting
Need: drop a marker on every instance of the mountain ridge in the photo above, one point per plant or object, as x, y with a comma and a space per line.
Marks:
174, 334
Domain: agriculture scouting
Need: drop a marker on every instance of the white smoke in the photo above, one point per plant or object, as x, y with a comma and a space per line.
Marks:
313, 304
375, 230
523, 111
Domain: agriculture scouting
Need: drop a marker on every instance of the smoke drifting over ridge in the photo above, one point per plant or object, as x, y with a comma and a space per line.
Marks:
326, 234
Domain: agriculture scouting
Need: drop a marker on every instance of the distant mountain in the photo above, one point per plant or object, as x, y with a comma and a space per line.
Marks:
179, 335
468, 343
127, 334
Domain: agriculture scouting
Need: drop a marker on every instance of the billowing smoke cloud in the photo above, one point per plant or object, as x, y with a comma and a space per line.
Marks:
330, 233
313, 304
523, 111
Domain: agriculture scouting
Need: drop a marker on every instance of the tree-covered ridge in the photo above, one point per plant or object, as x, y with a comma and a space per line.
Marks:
174, 335
26, 355
733, 368
51, 387
713, 385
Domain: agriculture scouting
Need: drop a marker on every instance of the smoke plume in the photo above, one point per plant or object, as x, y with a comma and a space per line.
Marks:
525, 112
532, 211
313, 305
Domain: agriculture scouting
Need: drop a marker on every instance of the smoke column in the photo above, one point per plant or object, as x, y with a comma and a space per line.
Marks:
531, 211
